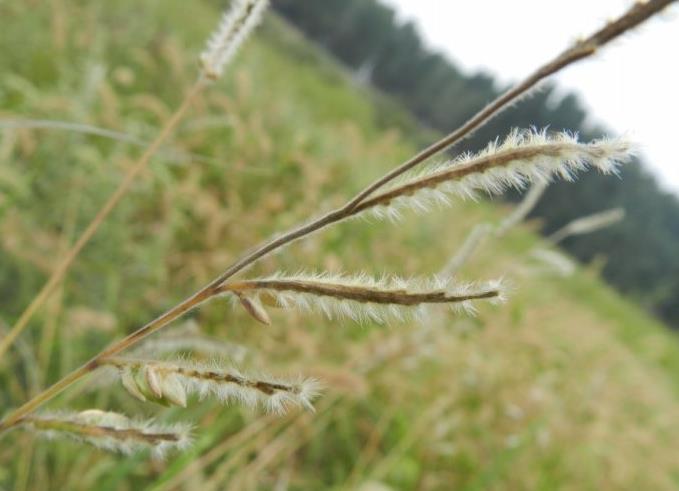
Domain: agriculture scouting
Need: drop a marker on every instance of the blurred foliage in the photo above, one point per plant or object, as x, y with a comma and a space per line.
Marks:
567, 386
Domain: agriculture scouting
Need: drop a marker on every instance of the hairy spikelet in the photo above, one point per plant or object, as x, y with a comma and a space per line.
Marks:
235, 26
255, 308
363, 298
523, 157
112, 431
169, 382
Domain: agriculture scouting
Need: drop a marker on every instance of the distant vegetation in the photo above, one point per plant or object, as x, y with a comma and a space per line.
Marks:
640, 253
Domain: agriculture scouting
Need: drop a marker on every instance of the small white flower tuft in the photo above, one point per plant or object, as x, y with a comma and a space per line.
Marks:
112, 431
523, 157
236, 24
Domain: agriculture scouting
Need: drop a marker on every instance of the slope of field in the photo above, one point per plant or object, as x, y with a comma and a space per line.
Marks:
566, 386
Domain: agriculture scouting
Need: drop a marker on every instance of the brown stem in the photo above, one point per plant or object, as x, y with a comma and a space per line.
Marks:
638, 13
477, 166
188, 304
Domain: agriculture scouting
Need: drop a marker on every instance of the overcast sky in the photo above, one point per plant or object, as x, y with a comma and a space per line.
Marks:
630, 86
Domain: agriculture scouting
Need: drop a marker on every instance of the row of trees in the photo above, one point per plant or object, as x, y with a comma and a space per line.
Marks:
640, 252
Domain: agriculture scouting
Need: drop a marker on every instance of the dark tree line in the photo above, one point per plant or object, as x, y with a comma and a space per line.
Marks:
642, 252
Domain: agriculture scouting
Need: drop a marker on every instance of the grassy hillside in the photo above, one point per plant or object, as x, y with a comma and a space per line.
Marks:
566, 386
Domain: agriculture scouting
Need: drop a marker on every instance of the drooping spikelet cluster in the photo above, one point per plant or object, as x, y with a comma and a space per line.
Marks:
112, 431
233, 29
523, 157
169, 382
360, 298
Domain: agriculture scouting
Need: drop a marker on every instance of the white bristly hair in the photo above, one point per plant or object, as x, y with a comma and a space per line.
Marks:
235, 26
172, 381
363, 298
523, 157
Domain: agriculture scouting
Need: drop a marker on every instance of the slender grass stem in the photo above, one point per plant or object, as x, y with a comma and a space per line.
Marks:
122, 189
584, 48
637, 14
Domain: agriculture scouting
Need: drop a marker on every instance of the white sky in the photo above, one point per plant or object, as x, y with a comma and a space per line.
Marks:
631, 86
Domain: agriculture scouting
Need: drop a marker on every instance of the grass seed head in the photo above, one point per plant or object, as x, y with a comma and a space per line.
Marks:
522, 158
363, 298
170, 382
112, 431
235, 26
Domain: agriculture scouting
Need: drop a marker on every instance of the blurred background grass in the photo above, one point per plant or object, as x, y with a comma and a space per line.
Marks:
566, 386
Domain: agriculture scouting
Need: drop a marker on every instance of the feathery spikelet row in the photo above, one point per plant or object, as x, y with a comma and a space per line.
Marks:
233, 29
523, 157
360, 298
112, 431
171, 382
